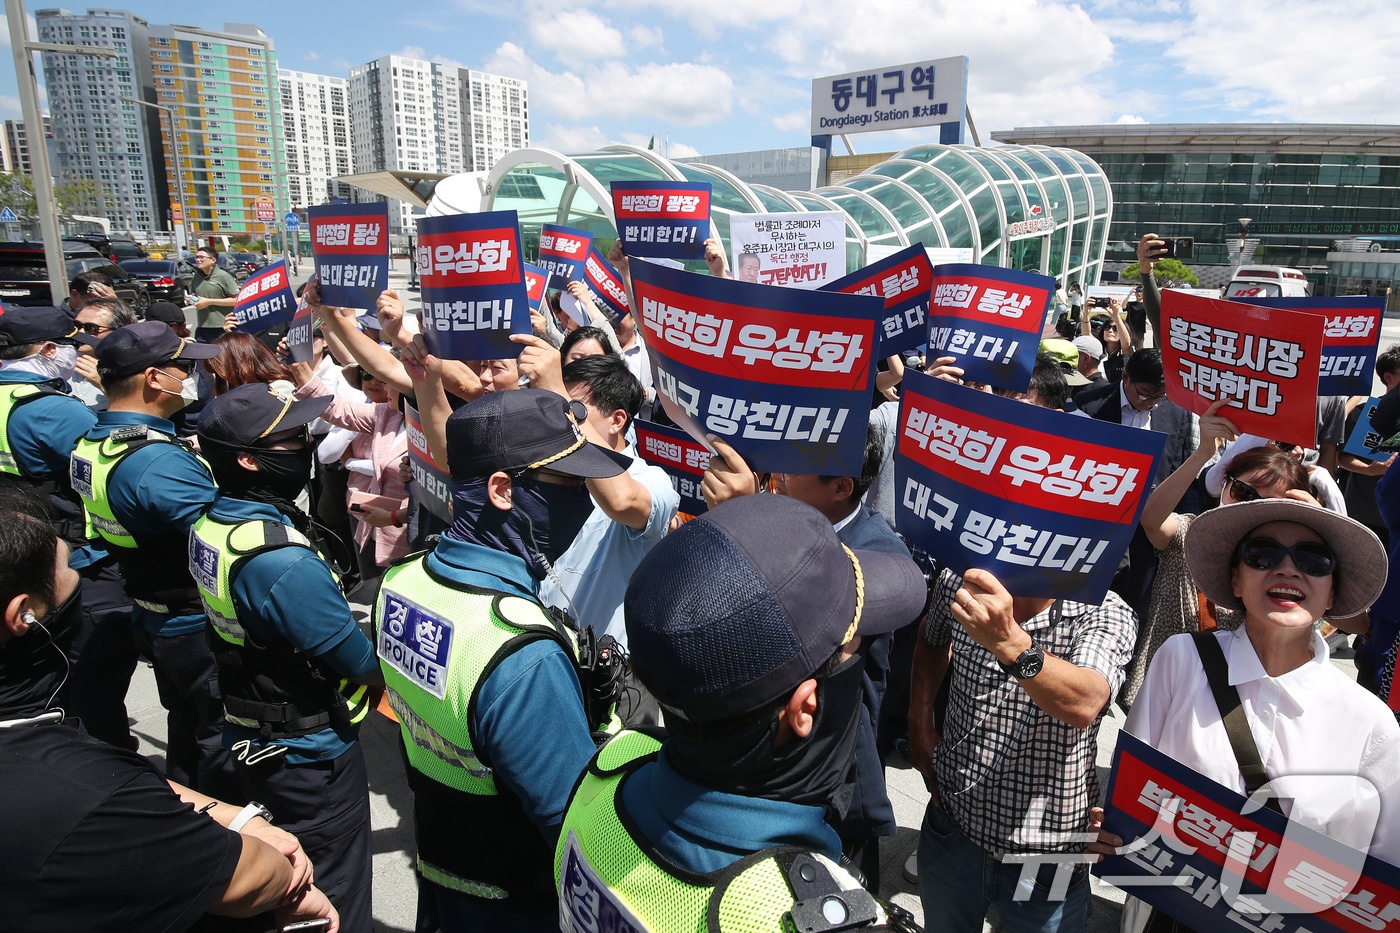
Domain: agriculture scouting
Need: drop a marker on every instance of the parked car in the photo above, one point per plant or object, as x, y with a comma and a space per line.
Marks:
241, 264
165, 279
24, 276
115, 248
127, 286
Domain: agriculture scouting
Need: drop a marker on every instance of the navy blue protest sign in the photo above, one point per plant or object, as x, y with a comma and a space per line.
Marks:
473, 285
563, 250
784, 375
905, 281
662, 219
265, 299
299, 349
1351, 334
683, 459
434, 482
1364, 441
604, 286
536, 279
350, 243
1190, 853
989, 320
1045, 500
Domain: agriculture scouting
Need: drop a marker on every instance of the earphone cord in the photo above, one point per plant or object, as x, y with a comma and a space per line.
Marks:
67, 667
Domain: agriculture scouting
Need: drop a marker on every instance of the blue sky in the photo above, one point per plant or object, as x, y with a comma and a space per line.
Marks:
719, 77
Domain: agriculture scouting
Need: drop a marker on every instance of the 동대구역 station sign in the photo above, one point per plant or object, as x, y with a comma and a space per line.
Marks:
894, 97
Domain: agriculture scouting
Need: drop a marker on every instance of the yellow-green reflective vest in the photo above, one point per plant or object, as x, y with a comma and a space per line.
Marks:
273, 688
155, 565
12, 396
437, 641
608, 879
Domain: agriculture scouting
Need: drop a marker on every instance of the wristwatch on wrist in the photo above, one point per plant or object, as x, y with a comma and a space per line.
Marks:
1027, 665
247, 813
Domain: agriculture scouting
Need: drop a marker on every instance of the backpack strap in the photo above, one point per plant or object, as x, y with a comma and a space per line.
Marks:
1227, 699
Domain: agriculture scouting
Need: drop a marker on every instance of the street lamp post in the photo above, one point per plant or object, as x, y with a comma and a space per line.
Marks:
1244, 230
179, 171
44, 202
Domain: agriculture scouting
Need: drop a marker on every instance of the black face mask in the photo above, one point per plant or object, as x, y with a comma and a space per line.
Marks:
34, 667
809, 771
283, 473
542, 522
280, 477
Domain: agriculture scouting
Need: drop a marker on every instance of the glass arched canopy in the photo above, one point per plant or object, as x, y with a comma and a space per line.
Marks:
1034, 208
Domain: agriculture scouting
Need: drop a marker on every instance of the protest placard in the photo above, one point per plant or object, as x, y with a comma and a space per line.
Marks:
904, 280
1191, 854
1045, 500
800, 249
536, 279
989, 320
473, 285
1364, 441
434, 482
662, 219
604, 286
1265, 360
681, 456
785, 376
563, 249
265, 299
1350, 337
299, 349
350, 244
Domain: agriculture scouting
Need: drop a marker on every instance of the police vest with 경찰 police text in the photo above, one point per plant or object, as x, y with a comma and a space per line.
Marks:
273, 688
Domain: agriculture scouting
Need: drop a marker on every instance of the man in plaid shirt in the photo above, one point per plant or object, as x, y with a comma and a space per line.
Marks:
1012, 775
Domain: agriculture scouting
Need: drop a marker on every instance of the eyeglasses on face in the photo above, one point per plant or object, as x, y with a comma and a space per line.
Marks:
94, 330
1242, 491
1310, 557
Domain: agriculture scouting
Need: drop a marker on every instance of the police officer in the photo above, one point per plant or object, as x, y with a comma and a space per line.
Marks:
40, 422
143, 490
482, 679
746, 625
291, 660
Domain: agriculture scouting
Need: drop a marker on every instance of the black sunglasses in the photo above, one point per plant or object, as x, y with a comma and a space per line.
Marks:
1243, 492
1311, 557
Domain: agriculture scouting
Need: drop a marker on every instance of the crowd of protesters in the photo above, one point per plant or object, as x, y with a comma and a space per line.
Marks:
612, 712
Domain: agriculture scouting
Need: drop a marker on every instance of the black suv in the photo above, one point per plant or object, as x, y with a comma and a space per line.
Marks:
128, 287
241, 264
115, 248
24, 277
165, 279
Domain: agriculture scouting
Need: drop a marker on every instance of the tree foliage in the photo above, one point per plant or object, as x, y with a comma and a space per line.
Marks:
1170, 273
79, 196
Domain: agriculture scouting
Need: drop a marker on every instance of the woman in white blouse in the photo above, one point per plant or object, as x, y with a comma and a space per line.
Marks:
1285, 564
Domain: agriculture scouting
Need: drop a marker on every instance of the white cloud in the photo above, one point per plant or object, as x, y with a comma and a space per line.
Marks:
577, 33
639, 37
1129, 118
313, 56
675, 150
793, 121
572, 139
1311, 61
679, 92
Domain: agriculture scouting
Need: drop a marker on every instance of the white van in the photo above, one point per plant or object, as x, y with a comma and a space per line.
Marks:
1268, 282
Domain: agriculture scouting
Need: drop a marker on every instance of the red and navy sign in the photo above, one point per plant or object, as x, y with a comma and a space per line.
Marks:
1191, 854
473, 281
350, 243
1350, 337
563, 250
299, 349
905, 281
536, 279
434, 482
683, 459
604, 286
1265, 360
784, 375
1046, 501
265, 300
662, 219
989, 320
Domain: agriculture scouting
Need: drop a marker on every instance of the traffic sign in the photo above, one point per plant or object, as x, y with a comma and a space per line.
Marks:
292, 221
266, 210
7, 216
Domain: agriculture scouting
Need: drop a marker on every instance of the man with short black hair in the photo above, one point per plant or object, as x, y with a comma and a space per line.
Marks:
97, 319
171, 314
1131, 400
144, 490
216, 293
86, 287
